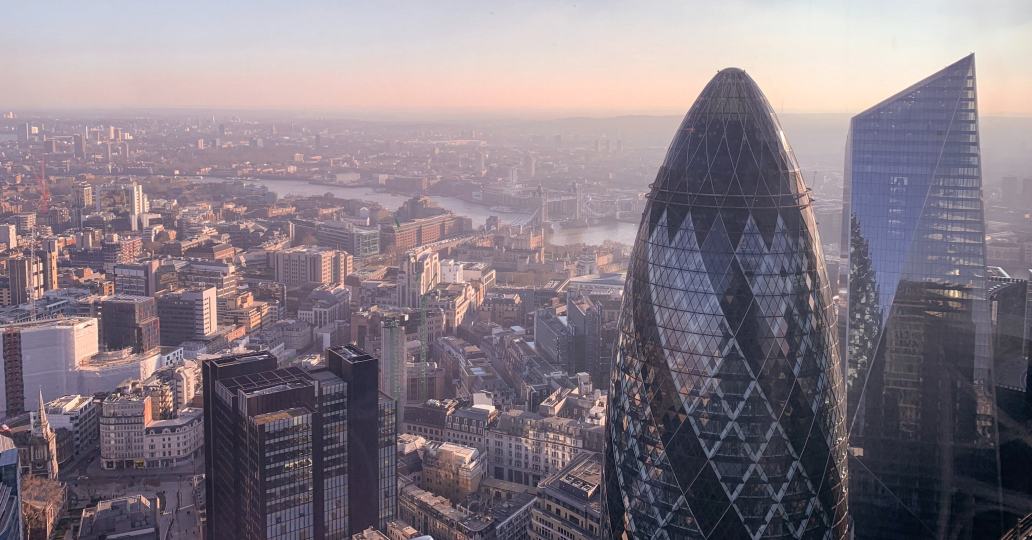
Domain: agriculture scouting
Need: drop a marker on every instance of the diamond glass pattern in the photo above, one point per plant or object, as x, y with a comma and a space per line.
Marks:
727, 405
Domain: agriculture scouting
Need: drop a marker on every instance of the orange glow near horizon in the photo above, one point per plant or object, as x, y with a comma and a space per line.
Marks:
528, 58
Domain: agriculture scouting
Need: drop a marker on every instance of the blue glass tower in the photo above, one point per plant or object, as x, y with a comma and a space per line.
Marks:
727, 406
923, 459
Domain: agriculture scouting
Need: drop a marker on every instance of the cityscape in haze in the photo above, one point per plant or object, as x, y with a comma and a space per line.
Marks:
526, 270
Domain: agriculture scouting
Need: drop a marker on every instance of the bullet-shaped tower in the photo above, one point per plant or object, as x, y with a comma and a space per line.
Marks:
727, 405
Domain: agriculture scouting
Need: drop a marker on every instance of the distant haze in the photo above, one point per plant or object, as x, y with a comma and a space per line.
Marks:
522, 58
818, 140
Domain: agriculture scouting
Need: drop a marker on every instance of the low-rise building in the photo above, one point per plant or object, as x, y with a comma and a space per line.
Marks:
174, 441
436, 516
452, 470
78, 414
134, 517
132, 434
569, 503
399, 530
44, 501
524, 447
444, 420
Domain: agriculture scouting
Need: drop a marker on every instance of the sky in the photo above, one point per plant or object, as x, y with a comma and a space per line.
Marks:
509, 57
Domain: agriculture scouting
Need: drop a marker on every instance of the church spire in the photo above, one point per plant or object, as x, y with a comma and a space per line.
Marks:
44, 424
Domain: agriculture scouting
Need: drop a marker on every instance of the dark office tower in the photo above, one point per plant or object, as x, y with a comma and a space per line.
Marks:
291, 453
727, 404
1011, 314
24, 135
25, 279
584, 319
231, 384
371, 440
129, 321
78, 146
923, 460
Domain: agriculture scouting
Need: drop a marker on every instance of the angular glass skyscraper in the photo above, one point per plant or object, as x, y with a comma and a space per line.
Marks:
727, 407
923, 461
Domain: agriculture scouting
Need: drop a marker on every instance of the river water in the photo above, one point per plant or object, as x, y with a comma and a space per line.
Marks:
617, 231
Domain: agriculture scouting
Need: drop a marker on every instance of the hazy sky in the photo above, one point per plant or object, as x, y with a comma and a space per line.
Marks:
500, 57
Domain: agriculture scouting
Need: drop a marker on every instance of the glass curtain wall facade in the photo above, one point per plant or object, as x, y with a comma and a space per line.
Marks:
295, 453
923, 457
727, 404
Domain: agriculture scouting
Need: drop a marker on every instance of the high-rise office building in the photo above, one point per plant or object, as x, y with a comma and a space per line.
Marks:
82, 202
82, 195
78, 146
10, 491
187, 314
1010, 301
393, 379
137, 205
295, 453
130, 321
24, 135
25, 222
726, 410
9, 235
48, 260
26, 279
584, 319
418, 273
922, 435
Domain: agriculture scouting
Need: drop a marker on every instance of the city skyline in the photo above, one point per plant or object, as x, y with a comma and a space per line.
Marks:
528, 58
533, 269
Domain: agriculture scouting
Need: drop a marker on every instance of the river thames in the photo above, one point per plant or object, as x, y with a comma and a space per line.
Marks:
594, 235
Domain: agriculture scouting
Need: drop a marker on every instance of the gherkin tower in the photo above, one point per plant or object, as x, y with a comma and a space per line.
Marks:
726, 411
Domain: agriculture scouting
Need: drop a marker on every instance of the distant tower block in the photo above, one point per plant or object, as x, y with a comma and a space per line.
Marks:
542, 205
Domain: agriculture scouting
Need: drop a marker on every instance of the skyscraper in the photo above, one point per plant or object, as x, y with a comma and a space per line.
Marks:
26, 279
78, 146
82, 195
923, 461
726, 411
48, 260
137, 205
295, 453
418, 273
393, 380
10, 491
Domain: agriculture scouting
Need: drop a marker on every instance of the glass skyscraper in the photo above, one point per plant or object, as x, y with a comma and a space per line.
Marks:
727, 406
294, 453
923, 461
